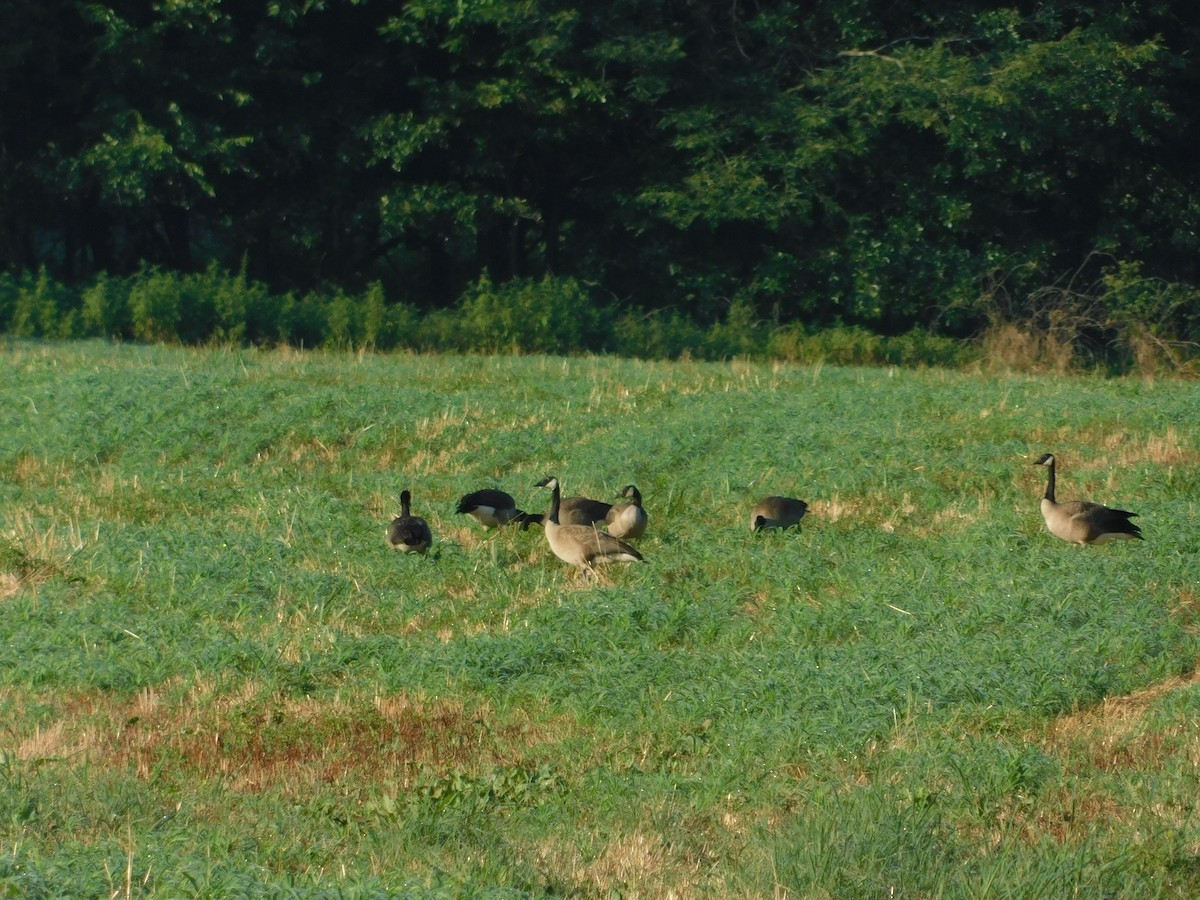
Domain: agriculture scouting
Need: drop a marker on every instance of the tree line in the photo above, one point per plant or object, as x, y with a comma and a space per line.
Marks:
864, 163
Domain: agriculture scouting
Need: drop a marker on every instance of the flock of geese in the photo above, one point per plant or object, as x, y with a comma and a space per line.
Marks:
574, 526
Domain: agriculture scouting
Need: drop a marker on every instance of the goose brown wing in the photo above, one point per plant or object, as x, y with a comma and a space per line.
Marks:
582, 511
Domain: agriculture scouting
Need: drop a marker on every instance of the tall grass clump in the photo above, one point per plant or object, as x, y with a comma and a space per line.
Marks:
202, 307
158, 304
244, 310
658, 334
106, 311
1119, 321
525, 315
742, 334
1158, 321
36, 305
349, 321
851, 346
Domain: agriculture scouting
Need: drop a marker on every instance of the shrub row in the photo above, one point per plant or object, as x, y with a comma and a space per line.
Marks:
549, 315
562, 316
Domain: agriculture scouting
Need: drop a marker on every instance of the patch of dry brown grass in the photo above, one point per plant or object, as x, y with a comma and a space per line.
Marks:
1166, 449
1154, 355
631, 863
1096, 469
1113, 739
33, 471
954, 518
1121, 450
1067, 816
1187, 608
1114, 735
875, 509
1017, 347
40, 551
10, 583
1104, 751
254, 741
837, 507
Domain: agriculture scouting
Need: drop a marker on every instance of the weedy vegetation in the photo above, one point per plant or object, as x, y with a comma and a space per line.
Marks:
216, 678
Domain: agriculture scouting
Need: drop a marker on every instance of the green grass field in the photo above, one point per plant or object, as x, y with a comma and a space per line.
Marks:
216, 679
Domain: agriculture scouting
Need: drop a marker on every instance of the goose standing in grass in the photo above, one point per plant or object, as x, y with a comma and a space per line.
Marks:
584, 546
494, 509
582, 511
777, 512
1081, 521
627, 520
409, 533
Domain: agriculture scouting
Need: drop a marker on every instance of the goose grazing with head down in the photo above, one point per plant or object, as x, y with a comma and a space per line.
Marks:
407, 532
777, 512
1081, 521
627, 520
494, 509
584, 546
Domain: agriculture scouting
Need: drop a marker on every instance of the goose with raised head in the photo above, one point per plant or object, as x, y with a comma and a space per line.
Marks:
409, 533
495, 509
777, 512
1081, 521
584, 546
627, 520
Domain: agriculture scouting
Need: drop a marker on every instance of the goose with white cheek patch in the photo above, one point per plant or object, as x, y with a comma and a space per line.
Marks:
582, 546
1081, 521
629, 519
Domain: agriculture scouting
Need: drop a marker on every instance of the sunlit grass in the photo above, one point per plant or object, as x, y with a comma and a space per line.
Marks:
216, 677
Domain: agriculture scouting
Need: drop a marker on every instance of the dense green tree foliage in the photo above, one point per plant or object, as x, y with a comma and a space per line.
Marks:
873, 163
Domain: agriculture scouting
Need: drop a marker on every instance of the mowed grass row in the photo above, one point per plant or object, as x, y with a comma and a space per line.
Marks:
215, 676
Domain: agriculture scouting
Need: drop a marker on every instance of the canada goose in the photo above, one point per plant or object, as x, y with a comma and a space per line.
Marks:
582, 511
777, 512
627, 520
407, 532
493, 509
1081, 521
584, 546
